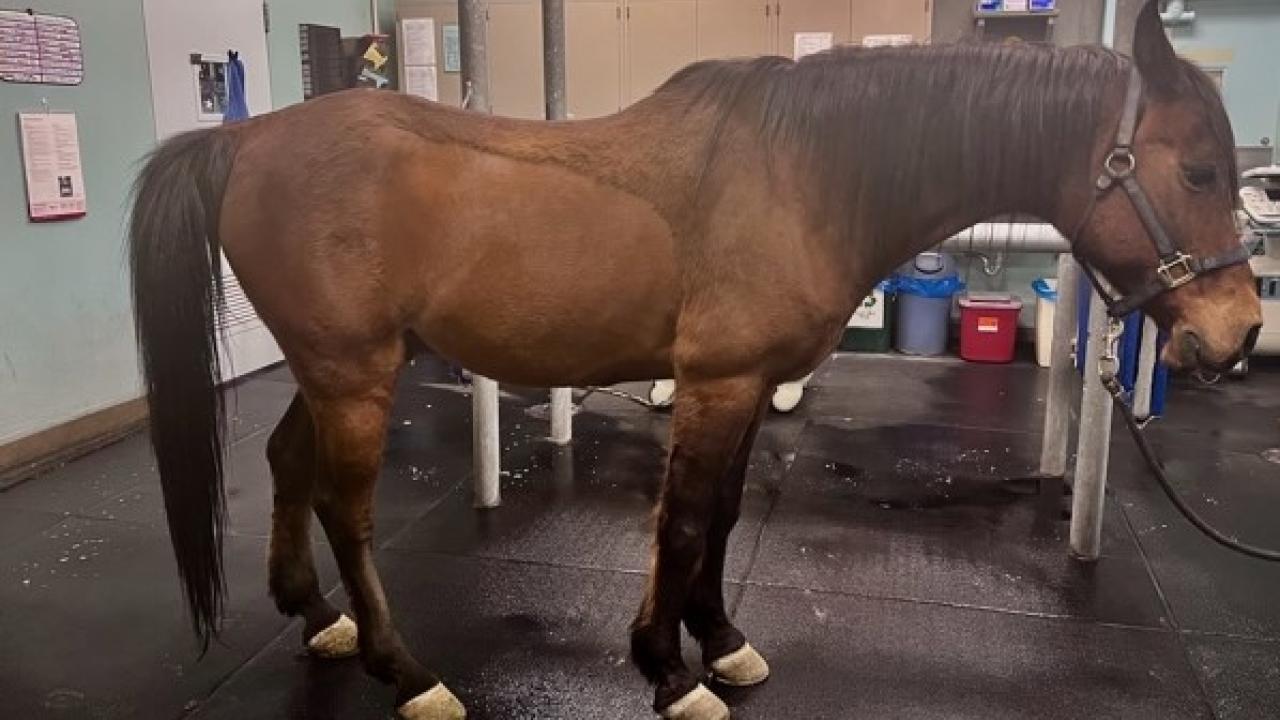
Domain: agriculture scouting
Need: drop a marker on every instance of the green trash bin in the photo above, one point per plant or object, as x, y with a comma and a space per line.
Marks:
869, 330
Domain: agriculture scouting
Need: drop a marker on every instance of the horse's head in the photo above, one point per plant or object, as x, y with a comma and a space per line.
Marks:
1182, 262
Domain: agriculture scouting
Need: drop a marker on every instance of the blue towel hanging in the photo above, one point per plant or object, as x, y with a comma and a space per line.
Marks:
237, 108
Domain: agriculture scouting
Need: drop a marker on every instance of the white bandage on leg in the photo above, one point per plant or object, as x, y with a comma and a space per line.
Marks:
339, 640
435, 704
699, 704
741, 668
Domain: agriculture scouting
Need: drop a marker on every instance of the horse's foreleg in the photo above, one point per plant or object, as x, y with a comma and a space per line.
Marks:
725, 650
350, 432
291, 452
710, 421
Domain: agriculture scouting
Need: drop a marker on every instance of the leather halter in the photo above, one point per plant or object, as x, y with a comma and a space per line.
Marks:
1175, 268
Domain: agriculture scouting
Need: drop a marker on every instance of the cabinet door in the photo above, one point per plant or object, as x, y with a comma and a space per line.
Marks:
661, 38
802, 16
734, 28
515, 59
593, 57
904, 17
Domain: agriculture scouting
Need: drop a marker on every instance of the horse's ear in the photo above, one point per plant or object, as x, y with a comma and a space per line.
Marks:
1153, 52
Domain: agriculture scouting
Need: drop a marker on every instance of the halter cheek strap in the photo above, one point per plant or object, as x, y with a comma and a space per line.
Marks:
1175, 267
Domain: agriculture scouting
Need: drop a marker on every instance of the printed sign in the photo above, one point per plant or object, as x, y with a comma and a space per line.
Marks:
38, 48
870, 314
988, 324
418, 36
51, 161
452, 47
808, 43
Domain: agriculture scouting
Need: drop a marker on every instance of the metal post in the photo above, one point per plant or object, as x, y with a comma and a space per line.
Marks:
373, 17
1146, 370
1095, 444
553, 73
1062, 375
561, 415
473, 36
484, 442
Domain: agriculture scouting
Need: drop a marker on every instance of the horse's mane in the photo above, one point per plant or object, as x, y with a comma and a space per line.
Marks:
875, 127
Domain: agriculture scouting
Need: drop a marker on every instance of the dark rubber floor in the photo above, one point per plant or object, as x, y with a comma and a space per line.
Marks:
885, 563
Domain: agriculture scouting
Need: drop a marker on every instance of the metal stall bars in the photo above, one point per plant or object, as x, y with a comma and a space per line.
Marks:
553, 72
472, 16
486, 449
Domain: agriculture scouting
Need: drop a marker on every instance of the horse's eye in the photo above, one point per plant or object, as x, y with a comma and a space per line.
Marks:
1200, 177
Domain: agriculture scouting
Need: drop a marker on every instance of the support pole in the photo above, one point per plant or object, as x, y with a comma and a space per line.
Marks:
561, 415
1062, 374
1095, 444
1146, 370
484, 442
473, 37
553, 74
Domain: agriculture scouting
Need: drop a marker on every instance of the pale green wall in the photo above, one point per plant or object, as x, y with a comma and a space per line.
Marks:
352, 16
1248, 32
66, 333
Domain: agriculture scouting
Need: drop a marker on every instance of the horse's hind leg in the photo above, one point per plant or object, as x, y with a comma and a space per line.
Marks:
351, 407
711, 419
291, 451
725, 651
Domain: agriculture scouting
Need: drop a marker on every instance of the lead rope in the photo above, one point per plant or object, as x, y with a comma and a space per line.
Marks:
1108, 366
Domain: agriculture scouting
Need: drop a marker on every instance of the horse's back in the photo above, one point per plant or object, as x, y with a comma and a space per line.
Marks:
369, 214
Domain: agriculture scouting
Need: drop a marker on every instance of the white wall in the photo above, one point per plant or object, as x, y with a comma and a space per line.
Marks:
177, 28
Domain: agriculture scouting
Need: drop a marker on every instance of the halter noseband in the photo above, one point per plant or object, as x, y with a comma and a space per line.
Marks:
1176, 268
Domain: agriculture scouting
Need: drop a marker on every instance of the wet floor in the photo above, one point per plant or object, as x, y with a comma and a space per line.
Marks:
890, 563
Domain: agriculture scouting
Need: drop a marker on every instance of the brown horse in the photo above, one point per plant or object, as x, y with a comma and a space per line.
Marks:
719, 232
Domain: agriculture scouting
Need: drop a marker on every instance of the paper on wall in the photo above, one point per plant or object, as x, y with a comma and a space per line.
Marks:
887, 40
808, 43
421, 81
51, 162
452, 47
419, 38
39, 48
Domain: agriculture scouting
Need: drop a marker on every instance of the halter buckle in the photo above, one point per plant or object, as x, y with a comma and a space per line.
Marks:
1176, 272
1120, 163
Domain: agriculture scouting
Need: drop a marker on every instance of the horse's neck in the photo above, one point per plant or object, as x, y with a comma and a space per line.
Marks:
975, 161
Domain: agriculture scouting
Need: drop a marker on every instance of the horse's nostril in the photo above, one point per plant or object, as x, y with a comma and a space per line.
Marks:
1251, 339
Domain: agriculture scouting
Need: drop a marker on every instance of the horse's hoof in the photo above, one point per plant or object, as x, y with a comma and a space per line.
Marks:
741, 668
339, 640
699, 704
435, 704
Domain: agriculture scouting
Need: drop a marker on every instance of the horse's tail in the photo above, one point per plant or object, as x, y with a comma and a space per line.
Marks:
175, 262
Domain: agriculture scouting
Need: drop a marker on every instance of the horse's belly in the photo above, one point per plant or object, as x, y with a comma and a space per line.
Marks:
537, 275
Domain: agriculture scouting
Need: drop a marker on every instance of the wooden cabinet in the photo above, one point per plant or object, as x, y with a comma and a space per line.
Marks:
515, 58
902, 17
735, 28
619, 51
802, 16
593, 57
660, 38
